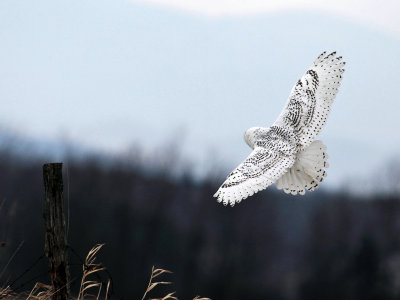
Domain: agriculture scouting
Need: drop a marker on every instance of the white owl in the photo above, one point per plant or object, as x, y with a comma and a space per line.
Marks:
286, 152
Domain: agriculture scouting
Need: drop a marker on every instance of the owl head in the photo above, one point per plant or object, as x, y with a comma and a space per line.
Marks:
251, 135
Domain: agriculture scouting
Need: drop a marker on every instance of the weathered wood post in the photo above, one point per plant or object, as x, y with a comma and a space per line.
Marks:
56, 230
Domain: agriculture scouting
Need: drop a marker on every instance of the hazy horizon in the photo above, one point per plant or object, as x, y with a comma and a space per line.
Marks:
108, 75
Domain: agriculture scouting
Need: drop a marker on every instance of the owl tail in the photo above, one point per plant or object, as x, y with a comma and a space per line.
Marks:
307, 172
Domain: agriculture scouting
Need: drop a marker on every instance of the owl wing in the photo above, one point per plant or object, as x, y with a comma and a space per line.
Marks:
309, 102
258, 171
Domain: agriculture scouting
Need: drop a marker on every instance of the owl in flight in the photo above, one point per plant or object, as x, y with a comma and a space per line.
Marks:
286, 152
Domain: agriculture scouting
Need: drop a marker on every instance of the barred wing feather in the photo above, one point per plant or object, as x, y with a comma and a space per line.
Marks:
261, 169
310, 100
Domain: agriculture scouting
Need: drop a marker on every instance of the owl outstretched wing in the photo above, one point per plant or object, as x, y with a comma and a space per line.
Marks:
310, 100
258, 171
302, 118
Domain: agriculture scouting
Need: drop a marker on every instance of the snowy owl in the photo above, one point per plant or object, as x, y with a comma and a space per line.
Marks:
286, 152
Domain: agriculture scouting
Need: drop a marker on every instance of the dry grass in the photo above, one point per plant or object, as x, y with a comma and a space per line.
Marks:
41, 291
90, 288
155, 273
90, 268
6, 293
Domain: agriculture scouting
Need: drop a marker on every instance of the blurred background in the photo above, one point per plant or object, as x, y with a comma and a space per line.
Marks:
146, 103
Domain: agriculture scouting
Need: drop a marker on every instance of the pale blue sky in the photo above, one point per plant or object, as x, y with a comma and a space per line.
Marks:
107, 74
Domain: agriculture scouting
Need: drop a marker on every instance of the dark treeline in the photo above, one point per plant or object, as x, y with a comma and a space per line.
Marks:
271, 246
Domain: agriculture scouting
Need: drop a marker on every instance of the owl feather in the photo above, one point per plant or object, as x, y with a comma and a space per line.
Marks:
286, 153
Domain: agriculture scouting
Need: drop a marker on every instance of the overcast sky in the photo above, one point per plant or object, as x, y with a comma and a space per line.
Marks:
106, 74
371, 13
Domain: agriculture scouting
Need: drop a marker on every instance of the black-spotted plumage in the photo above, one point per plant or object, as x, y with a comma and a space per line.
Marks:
286, 152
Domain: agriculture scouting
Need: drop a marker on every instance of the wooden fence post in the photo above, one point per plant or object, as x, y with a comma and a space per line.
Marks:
56, 230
